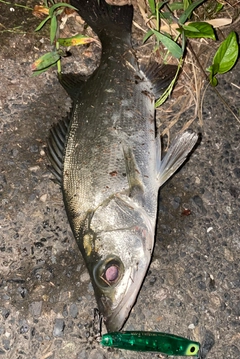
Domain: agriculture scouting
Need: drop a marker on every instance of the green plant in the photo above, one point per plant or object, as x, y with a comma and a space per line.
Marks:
53, 57
173, 31
225, 58
163, 10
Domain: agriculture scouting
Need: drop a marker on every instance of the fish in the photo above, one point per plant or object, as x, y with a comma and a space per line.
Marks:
106, 156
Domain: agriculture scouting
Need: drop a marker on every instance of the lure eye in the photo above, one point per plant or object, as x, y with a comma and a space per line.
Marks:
108, 272
193, 349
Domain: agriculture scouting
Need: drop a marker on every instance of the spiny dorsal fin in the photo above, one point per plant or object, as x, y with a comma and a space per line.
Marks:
56, 146
159, 75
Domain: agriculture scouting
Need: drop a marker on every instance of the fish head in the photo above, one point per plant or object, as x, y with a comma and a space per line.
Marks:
119, 274
118, 249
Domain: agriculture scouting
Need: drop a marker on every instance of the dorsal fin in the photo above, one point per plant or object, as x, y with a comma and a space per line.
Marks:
56, 145
159, 75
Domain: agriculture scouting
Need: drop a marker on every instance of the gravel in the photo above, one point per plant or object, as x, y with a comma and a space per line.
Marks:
46, 299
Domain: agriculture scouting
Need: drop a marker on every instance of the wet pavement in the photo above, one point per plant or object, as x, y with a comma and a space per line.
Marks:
47, 302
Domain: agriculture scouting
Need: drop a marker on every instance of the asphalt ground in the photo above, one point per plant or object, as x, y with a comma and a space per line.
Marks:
47, 302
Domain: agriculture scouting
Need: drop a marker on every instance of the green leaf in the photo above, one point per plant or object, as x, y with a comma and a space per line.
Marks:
218, 8
53, 28
58, 12
186, 4
172, 46
45, 61
60, 4
160, 4
176, 6
227, 54
199, 29
148, 34
212, 79
225, 57
42, 23
152, 6
38, 72
166, 15
188, 12
75, 40
169, 89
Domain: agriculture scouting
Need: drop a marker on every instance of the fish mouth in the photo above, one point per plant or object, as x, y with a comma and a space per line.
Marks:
117, 319
116, 306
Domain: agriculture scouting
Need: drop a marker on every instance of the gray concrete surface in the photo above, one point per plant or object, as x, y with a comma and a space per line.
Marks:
46, 299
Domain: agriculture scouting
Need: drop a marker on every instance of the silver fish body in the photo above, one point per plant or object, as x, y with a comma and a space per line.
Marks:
111, 167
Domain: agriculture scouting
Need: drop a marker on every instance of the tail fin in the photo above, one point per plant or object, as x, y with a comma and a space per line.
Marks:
106, 20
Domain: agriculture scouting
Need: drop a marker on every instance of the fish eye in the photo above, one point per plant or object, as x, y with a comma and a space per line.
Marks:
108, 272
111, 273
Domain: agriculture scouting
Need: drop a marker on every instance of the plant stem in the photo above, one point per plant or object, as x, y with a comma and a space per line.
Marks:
59, 69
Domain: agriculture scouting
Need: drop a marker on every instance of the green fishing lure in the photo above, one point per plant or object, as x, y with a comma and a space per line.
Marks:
151, 342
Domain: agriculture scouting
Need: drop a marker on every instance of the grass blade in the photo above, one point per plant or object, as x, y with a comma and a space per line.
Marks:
171, 45
188, 12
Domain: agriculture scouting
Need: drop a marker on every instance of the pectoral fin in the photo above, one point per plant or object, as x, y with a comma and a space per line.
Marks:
176, 155
134, 177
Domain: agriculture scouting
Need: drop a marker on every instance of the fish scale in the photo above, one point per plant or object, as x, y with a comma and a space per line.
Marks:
110, 167
96, 160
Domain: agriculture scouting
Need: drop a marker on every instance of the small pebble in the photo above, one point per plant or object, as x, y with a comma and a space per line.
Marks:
34, 168
73, 310
43, 198
58, 327
35, 308
85, 277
